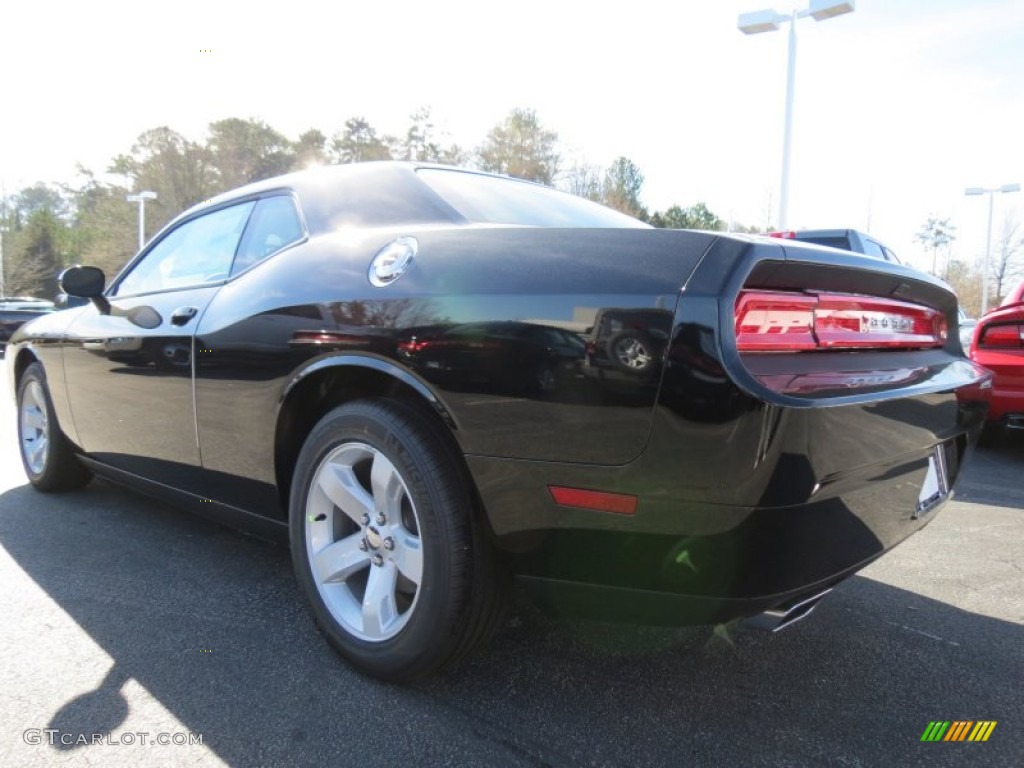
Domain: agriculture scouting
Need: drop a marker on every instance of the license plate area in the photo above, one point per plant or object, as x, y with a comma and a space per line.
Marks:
936, 483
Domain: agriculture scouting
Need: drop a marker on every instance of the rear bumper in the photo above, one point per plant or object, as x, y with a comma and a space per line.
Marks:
680, 561
742, 504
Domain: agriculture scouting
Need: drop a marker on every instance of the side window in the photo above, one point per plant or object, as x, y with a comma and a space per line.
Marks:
274, 225
871, 248
197, 252
891, 256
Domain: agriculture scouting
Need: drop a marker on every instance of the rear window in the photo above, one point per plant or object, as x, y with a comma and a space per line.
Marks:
495, 200
832, 242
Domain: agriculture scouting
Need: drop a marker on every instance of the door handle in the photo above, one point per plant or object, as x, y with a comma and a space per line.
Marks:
182, 315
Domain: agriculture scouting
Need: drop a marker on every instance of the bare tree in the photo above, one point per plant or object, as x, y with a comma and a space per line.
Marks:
1008, 268
934, 234
583, 180
965, 280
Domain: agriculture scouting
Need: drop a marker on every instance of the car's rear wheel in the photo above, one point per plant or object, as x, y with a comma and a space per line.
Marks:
386, 544
46, 454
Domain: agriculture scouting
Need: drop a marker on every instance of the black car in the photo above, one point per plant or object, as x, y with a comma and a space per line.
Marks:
15, 311
266, 360
510, 357
628, 341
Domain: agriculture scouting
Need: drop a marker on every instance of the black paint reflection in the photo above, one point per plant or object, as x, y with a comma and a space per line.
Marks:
509, 358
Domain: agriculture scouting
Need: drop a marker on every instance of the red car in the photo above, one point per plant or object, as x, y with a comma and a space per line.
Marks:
998, 345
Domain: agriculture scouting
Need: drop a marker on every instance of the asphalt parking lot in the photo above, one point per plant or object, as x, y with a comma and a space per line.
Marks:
124, 618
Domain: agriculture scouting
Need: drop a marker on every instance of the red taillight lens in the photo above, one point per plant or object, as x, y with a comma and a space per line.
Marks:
769, 321
1003, 336
785, 235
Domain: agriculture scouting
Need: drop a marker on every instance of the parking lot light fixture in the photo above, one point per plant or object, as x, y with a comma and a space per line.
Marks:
768, 20
990, 191
141, 199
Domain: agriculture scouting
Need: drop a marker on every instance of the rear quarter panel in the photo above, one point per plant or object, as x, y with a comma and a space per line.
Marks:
247, 358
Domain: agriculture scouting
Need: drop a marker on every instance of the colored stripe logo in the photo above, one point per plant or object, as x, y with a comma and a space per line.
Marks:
958, 730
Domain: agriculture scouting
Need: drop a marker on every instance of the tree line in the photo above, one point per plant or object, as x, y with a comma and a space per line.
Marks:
46, 227
967, 277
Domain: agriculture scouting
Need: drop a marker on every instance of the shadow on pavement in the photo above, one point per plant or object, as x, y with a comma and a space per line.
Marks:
1000, 482
212, 624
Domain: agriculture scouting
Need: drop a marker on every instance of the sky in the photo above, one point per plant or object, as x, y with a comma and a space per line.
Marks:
898, 106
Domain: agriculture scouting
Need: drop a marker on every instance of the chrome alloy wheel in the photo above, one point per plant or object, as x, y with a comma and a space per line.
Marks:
363, 542
35, 427
633, 353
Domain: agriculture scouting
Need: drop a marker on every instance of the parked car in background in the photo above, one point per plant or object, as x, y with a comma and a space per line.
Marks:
998, 344
845, 239
967, 325
15, 311
369, 361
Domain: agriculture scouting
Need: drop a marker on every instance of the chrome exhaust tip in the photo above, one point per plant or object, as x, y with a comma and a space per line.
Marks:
1015, 421
787, 614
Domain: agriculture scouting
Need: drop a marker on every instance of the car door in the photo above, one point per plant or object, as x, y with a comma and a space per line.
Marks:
130, 371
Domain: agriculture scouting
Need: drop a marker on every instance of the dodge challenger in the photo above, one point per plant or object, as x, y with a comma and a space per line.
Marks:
389, 366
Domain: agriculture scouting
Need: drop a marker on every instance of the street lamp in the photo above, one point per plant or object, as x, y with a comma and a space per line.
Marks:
768, 21
990, 191
141, 199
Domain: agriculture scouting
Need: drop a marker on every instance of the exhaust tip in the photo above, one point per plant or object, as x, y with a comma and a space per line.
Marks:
787, 614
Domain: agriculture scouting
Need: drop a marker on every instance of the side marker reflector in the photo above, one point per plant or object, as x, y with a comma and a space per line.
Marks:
619, 503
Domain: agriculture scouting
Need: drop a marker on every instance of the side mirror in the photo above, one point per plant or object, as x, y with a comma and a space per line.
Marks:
86, 282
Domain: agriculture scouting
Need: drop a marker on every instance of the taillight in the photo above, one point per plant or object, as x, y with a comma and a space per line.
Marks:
769, 321
1003, 336
785, 235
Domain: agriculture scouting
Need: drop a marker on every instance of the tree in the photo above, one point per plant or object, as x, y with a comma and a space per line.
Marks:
359, 142
520, 146
244, 151
697, 216
38, 197
311, 149
621, 189
1007, 267
965, 280
177, 169
934, 234
103, 232
35, 239
34, 254
584, 180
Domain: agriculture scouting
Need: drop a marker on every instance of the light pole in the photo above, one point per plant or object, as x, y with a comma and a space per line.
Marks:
768, 21
990, 191
141, 199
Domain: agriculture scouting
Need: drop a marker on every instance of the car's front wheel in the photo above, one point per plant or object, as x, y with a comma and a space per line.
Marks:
385, 542
46, 454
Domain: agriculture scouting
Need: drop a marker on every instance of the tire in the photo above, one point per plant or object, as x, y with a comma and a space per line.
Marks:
631, 351
403, 595
990, 434
46, 454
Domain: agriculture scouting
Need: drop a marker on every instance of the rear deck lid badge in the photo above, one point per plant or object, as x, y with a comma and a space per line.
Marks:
392, 260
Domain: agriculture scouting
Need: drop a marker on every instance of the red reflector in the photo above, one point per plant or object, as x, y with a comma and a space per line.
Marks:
778, 321
618, 503
1002, 336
